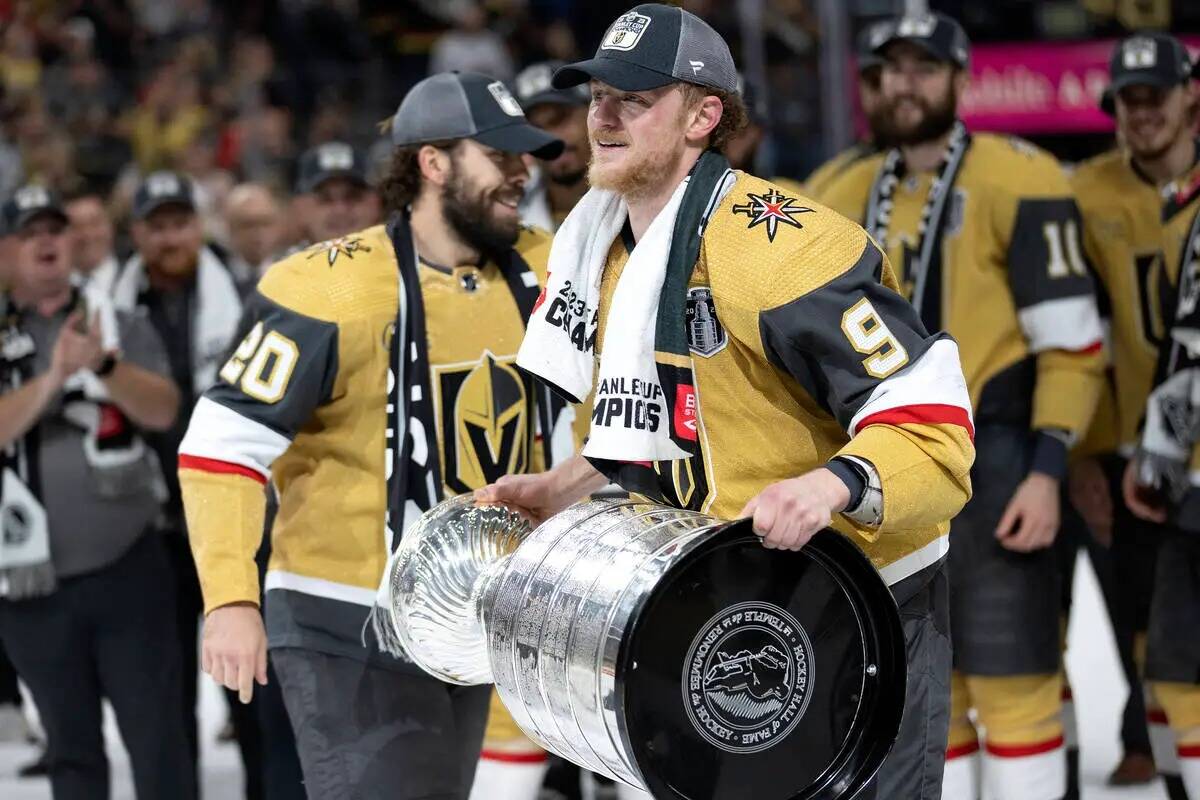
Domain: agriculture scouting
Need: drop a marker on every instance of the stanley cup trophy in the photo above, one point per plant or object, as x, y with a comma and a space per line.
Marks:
660, 647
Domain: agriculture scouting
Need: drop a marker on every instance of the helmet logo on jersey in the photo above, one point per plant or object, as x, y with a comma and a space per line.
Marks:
747, 678
706, 335
771, 209
343, 246
485, 422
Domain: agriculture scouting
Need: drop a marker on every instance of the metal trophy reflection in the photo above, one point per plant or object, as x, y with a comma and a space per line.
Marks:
661, 647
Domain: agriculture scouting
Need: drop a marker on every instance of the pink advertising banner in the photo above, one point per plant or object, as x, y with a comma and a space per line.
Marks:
1040, 88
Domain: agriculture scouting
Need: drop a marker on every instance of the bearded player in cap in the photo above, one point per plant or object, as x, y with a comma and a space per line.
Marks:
1153, 98
374, 377
763, 364
986, 234
1162, 485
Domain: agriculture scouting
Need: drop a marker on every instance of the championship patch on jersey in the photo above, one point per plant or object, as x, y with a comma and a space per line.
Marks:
485, 421
625, 32
771, 209
343, 246
706, 335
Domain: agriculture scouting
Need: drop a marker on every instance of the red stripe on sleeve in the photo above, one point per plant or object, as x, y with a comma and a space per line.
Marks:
220, 467
1156, 716
1094, 347
1024, 750
1189, 751
926, 414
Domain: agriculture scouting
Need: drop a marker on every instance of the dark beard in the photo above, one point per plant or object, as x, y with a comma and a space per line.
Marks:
879, 127
935, 123
570, 178
470, 218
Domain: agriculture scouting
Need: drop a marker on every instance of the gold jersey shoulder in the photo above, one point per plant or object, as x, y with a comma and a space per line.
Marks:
335, 280
765, 247
533, 244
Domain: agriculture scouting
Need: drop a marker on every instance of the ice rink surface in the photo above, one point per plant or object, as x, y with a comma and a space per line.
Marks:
1095, 675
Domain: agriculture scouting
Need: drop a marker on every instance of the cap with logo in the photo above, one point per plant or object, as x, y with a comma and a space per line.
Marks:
865, 57
1147, 59
534, 87
937, 34
468, 105
328, 161
161, 189
29, 202
653, 45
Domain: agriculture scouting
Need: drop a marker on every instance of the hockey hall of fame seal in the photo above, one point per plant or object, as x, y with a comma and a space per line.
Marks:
748, 677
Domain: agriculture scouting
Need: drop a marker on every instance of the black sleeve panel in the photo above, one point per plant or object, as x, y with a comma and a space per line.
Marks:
1046, 259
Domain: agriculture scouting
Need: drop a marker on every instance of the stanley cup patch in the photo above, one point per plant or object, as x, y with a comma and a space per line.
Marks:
626, 32
706, 335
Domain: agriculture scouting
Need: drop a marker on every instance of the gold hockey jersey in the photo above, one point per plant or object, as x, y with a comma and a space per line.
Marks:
817, 182
302, 402
802, 350
1123, 240
1013, 287
1170, 441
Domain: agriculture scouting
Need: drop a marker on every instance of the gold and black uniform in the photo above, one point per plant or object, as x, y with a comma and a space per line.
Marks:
1169, 456
1007, 278
820, 178
302, 402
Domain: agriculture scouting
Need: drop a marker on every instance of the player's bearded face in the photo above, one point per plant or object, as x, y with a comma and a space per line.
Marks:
1152, 119
637, 138
481, 196
919, 100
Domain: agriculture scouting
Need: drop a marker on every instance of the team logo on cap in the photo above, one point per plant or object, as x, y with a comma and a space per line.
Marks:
335, 155
534, 80
919, 27
748, 677
163, 184
625, 32
28, 197
505, 99
706, 335
770, 209
1140, 52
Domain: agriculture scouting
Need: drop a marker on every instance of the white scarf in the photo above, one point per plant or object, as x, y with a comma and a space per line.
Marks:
215, 319
560, 337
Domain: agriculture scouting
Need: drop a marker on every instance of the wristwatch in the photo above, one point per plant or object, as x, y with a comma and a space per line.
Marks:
107, 365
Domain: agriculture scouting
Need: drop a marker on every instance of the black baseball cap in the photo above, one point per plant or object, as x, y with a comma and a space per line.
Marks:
29, 202
534, 87
653, 45
1147, 59
865, 56
161, 189
937, 34
469, 105
327, 161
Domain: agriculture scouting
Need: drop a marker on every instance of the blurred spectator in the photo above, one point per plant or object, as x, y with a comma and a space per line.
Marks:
168, 119
89, 620
20, 68
265, 149
79, 81
559, 184
212, 183
191, 300
50, 160
256, 231
471, 47
336, 197
93, 257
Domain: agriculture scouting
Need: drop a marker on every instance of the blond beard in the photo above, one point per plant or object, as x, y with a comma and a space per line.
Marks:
638, 177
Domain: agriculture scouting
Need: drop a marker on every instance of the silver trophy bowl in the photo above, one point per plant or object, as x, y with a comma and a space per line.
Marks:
660, 647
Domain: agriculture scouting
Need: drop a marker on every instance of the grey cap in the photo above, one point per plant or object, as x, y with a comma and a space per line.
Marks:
327, 161
161, 189
653, 45
29, 202
534, 87
468, 105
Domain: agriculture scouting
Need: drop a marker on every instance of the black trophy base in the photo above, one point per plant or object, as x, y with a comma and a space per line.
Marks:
765, 674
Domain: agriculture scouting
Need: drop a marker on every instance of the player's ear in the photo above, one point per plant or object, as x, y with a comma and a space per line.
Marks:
960, 81
434, 163
704, 117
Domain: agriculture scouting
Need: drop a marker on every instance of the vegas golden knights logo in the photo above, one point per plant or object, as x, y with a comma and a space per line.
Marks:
485, 414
